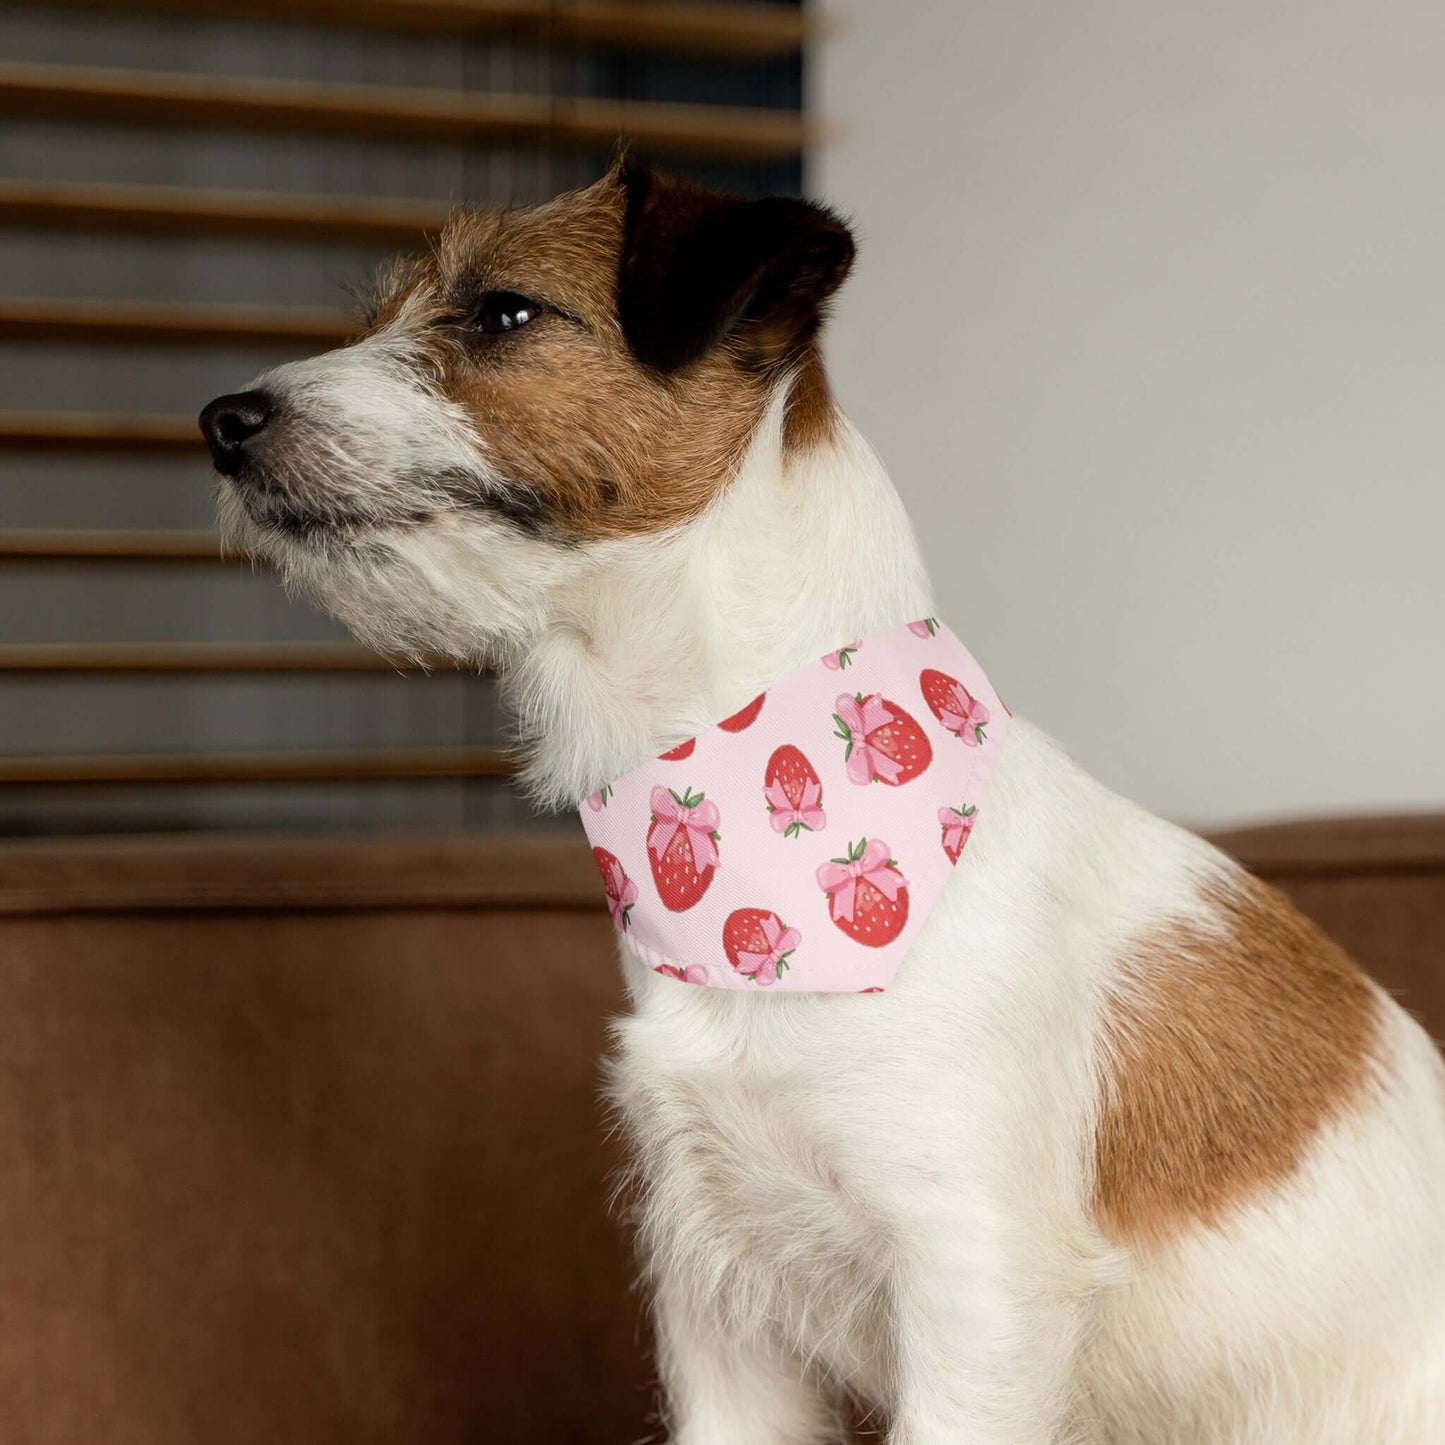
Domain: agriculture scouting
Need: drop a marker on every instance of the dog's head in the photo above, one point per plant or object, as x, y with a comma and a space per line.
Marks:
546, 384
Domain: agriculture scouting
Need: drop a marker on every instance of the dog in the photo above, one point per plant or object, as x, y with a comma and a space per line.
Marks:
1128, 1152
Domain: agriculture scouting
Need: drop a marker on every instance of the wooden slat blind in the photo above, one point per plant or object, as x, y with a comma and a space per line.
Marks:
156, 98
134, 323
183, 105
112, 434
190, 657
300, 766
107, 544
176, 211
730, 31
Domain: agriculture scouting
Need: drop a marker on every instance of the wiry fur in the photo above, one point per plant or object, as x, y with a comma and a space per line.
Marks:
894, 1197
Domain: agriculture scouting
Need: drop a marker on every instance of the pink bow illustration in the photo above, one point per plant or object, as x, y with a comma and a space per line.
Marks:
841, 879
670, 813
621, 895
857, 720
806, 815
763, 968
956, 826
966, 717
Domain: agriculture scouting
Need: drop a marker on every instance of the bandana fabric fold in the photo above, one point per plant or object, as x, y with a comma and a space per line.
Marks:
799, 845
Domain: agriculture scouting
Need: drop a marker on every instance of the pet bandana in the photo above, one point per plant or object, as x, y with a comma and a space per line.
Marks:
800, 844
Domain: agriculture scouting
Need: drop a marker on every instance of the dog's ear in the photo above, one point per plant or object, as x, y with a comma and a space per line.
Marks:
698, 267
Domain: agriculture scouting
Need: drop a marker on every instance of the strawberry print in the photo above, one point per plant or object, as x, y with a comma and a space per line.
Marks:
744, 717
867, 894
954, 706
620, 889
759, 944
682, 846
885, 743
794, 793
756, 865
693, 973
957, 824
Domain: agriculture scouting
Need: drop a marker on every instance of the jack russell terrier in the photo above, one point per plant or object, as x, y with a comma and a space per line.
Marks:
1043, 1122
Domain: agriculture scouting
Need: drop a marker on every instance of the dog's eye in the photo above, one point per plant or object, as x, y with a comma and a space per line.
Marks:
501, 311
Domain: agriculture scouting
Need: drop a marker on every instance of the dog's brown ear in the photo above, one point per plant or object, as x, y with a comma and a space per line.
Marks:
699, 266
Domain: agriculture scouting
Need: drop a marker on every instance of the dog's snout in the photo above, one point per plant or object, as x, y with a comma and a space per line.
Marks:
230, 423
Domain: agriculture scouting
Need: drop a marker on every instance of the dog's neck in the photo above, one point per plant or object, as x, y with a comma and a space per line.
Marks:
661, 636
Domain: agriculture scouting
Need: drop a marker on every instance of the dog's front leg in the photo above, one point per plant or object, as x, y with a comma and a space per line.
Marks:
722, 1387
984, 1348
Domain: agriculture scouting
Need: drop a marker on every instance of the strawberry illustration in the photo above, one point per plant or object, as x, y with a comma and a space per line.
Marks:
885, 743
744, 717
794, 793
924, 627
681, 751
693, 973
837, 661
620, 889
957, 824
759, 944
954, 706
682, 846
867, 894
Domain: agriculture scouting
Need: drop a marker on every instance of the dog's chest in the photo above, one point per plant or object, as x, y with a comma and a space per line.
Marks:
747, 1181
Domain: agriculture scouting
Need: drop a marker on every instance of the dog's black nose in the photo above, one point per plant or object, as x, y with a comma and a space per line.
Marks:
229, 423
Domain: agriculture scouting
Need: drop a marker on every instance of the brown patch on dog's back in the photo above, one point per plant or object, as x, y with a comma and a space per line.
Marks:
1226, 1053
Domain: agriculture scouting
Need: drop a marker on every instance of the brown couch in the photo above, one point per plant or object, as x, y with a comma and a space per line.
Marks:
300, 1137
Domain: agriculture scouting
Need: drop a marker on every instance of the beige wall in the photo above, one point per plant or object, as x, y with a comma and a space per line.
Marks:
1149, 324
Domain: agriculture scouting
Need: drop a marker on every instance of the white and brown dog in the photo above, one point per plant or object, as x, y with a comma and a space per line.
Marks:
1129, 1153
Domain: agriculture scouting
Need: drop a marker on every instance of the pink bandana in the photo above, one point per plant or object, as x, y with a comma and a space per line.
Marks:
800, 844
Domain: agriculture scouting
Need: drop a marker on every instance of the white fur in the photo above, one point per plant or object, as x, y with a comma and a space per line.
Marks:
890, 1195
